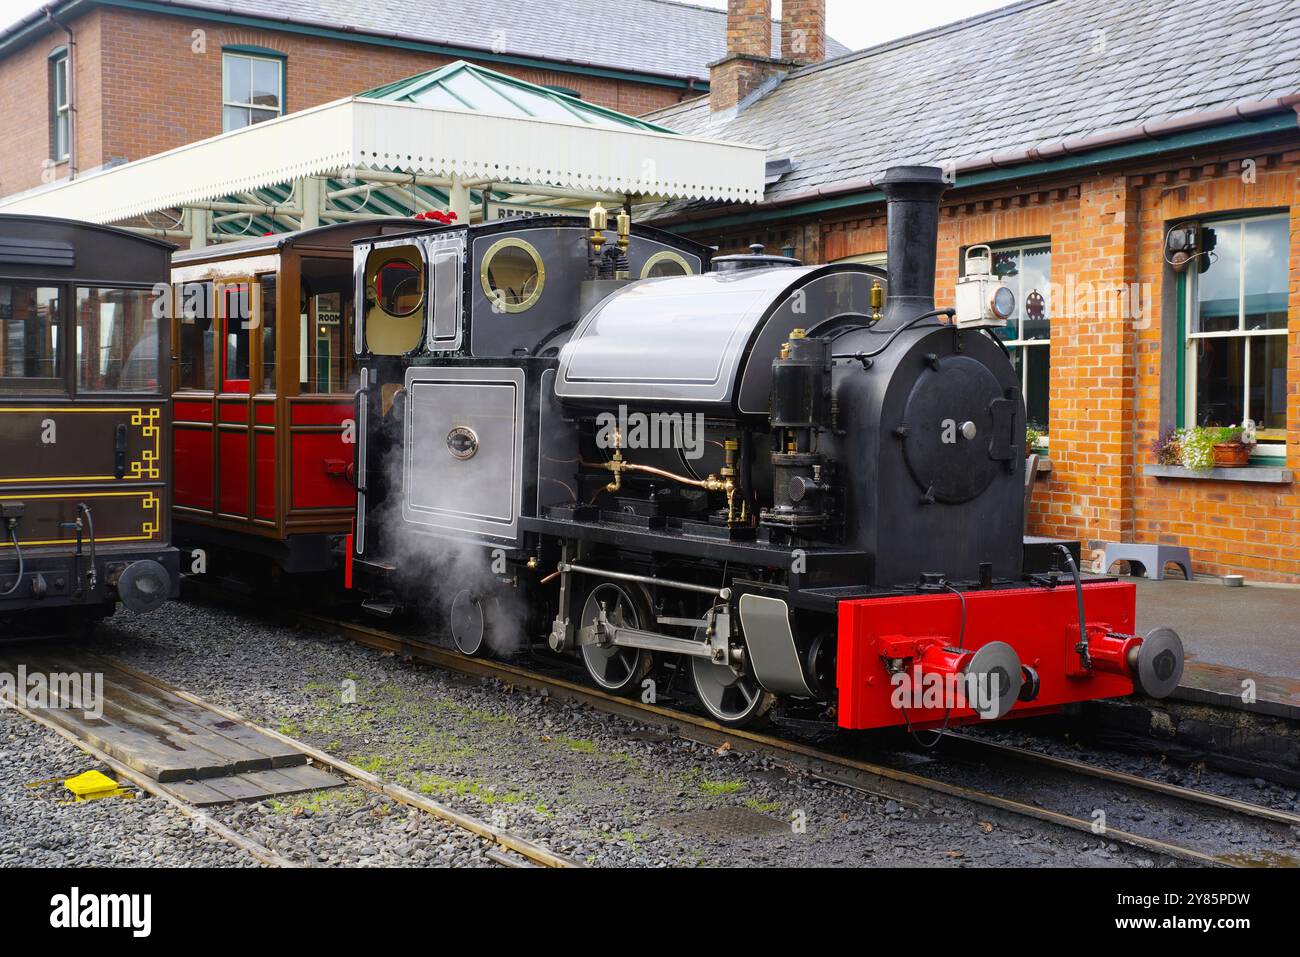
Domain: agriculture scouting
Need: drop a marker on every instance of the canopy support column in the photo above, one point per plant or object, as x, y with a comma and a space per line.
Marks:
458, 199
312, 201
200, 224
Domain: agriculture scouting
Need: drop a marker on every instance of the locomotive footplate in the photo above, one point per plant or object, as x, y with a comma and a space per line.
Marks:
808, 567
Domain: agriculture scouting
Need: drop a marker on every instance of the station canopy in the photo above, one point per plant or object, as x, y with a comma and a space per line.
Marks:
459, 139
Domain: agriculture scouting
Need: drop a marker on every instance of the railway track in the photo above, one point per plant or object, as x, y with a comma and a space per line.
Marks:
909, 786
504, 848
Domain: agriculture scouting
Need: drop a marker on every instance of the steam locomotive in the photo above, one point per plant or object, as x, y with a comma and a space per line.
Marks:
795, 484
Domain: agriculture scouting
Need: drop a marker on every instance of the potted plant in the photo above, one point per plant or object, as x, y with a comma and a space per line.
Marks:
1167, 448
1232, 446
1196, 447
1033, 440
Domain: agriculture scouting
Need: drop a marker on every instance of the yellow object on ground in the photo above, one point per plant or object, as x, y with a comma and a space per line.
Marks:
92, 785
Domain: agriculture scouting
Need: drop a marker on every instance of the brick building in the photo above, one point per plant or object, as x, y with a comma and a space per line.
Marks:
101, 82
1077, 133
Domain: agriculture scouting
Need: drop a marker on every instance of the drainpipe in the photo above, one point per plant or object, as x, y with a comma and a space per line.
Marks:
72, 90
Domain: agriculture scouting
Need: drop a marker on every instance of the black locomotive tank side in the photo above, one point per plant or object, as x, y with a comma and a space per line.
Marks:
84, 460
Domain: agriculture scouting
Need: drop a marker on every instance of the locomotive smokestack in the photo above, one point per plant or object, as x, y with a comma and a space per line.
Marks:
912, 196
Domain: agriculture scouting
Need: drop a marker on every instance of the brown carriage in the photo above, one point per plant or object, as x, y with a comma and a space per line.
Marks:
84, 456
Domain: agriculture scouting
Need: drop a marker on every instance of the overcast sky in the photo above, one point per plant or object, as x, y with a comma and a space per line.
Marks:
864, 23
855, 23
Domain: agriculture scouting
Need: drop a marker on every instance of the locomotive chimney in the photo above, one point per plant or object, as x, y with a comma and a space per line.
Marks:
912, 196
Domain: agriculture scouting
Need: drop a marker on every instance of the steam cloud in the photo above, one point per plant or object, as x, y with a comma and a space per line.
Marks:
433, 569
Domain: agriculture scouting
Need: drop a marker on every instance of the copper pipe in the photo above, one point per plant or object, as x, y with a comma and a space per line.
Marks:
715, 486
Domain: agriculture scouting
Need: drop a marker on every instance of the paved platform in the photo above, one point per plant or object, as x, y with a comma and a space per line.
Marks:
1230, 635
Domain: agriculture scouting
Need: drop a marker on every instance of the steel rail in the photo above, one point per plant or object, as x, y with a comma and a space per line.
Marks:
526, 849
1190, 795
258, 851
879, 780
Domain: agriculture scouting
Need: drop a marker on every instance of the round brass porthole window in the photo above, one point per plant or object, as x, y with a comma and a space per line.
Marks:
512, 275
665, 263
395, 280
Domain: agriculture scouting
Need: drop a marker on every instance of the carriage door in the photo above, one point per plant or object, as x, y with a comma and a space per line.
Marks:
234, 371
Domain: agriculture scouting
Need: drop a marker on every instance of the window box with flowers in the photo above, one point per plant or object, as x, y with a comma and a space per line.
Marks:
1211, 452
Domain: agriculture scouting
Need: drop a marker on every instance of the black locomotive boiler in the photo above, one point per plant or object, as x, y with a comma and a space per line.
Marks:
794, 483
84, 460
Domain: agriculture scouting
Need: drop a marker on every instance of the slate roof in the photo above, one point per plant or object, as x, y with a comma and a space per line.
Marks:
1021, 76
661, 37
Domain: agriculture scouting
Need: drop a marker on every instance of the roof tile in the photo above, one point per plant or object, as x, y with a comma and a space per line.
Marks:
1017, 77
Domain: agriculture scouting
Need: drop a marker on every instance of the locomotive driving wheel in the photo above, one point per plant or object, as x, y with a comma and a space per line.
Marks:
467, 621
613, 668
730, 697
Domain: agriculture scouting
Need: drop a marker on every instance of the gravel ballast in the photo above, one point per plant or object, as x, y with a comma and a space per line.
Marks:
40, 826
604, 790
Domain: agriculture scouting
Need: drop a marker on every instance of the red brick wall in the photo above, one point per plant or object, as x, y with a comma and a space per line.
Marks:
1108, 366
25, 107
1229, 526
143, 89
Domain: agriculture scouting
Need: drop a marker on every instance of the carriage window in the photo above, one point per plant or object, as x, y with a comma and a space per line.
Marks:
512, 275
665, 263
267, 286
196, 310
117, 340
29, 332
324, 342
235, 327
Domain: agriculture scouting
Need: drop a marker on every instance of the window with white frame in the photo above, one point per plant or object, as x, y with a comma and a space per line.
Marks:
60, 116
1236, 325
1026, 267
252, 89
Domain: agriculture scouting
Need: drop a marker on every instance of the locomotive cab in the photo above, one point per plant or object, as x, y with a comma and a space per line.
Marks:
457, 399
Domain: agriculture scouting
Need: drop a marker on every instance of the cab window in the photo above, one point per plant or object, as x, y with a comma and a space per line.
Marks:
394, 299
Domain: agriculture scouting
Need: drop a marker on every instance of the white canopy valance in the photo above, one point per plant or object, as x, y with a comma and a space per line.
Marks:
351, 136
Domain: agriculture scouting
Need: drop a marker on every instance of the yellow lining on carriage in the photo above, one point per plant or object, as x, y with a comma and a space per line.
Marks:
148, 531
146, 467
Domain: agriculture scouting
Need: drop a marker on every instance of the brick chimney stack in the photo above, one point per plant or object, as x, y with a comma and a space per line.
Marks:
749, 28
749, 58
803, 30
